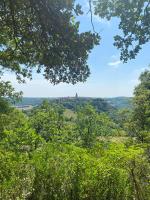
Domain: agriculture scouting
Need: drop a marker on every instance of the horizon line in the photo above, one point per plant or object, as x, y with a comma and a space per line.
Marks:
75, 97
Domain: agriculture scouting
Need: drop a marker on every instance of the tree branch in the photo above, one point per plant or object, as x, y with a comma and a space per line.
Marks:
91, 13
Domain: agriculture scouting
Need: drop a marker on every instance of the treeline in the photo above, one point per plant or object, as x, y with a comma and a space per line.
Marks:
48, 155
101, 104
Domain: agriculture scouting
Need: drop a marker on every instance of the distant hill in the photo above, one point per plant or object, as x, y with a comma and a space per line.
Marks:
120, 102
26, 101
100, 104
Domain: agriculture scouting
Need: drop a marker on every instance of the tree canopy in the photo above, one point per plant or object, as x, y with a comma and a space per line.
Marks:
44, 155
44, 35
47, 154
7, 92
134, 21
141, 112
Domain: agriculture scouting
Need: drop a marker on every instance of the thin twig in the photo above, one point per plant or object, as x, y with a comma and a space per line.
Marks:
91, 13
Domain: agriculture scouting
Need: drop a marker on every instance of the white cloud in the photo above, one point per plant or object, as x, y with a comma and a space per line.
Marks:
115, 64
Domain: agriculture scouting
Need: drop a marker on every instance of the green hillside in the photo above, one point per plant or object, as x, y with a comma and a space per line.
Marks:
120, 102
100, 104
72, 103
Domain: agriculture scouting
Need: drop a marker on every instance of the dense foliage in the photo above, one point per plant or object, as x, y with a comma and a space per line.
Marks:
99, 104
141, 113
44, 35
7, 92
46, 154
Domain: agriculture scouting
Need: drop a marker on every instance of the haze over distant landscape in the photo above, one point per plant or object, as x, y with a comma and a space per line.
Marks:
109, 76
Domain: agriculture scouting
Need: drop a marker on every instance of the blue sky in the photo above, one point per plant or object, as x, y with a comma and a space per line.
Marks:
109, 77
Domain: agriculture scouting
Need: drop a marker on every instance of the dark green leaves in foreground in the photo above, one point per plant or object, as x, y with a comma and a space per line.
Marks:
65, 172
134, 21
141, 113
45, 154
44, 35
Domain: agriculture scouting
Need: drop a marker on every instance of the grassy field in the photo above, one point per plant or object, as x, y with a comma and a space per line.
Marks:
69, 114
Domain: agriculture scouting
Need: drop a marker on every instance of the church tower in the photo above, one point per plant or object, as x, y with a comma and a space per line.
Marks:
76, 96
